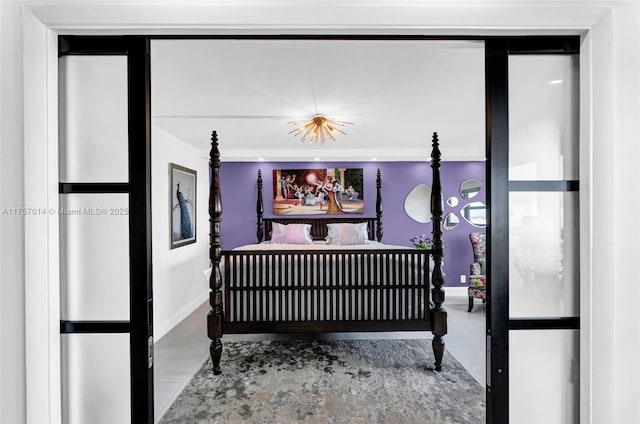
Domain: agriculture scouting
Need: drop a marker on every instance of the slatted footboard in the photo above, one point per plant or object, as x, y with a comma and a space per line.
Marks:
326, 291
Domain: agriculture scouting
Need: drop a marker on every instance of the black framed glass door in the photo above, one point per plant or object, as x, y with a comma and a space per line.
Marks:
105, 230
533, 312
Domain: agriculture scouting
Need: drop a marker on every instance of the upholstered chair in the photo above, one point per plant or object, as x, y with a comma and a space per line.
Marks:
477, 278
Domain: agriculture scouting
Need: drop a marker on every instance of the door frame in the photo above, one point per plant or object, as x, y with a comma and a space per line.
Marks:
41, 25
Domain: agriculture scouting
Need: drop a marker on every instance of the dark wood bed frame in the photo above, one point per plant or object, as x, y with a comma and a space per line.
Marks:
324, 291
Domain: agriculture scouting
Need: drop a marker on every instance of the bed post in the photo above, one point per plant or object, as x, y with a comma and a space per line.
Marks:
438, 313
215, 317
260, 209
378, 206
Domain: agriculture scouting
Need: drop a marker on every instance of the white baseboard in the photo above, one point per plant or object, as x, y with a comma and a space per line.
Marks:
162, 328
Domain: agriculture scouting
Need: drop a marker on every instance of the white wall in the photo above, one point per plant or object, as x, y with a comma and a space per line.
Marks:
626, 224
610, 317
179, 285
12, 300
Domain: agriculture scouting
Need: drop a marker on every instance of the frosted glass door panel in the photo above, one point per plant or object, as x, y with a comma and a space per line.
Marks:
93, 119
96, 378
544, 384
94, 239
543, 117
543, 250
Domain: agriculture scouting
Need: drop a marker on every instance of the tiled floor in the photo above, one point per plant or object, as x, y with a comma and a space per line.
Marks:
179, 354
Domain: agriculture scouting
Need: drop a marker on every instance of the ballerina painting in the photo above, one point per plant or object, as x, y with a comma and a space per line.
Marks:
317, 191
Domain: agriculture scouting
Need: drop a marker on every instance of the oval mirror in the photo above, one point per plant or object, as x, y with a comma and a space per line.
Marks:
452, 201
417, 204
451, 221
475, 213
470, 188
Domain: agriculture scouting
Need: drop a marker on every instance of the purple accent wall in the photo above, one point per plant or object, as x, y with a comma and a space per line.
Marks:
238, 185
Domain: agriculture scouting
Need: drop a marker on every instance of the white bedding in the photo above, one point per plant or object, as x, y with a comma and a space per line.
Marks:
320, 245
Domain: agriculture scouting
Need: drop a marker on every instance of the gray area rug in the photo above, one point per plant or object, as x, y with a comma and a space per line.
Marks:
330, 381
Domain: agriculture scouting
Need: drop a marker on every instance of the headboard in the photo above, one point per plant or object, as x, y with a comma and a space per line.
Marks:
319, 225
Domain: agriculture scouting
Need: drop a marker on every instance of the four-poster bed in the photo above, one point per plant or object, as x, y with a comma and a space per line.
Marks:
330, 283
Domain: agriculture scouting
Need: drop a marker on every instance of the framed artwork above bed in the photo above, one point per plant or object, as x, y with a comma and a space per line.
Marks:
182, 205
329, 191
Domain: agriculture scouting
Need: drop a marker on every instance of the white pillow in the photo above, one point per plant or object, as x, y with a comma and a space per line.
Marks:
347, 234
291, 234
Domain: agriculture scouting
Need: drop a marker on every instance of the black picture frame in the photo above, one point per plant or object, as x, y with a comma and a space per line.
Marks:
321, 191
182, 205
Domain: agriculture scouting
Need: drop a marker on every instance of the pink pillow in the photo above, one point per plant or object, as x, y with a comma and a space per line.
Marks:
291, 234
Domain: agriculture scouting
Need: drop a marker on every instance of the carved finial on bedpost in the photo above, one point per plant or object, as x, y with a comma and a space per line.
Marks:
260, 208
378, 206
214, 319
438, 313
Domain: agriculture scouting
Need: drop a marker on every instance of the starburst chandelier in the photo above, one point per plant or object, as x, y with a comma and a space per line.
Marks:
318, 128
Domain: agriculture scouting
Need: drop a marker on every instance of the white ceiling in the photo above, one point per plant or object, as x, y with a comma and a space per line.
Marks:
396, 94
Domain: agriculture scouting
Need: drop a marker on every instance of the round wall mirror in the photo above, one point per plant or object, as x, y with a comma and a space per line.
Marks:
451, 221
417, 204
470, 188
475, 213
452, 201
